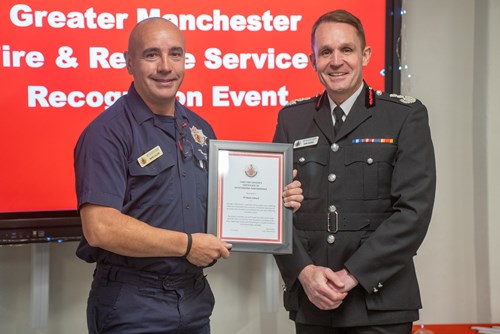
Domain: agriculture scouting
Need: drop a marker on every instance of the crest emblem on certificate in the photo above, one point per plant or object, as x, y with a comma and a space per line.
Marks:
198, 136
251, 170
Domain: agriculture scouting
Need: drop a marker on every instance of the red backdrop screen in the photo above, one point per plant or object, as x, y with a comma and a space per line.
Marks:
61, 65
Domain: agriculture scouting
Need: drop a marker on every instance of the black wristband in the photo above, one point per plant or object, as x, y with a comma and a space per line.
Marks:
189, 244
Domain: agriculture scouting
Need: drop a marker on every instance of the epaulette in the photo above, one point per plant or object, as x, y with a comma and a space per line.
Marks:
404, 99
301, 100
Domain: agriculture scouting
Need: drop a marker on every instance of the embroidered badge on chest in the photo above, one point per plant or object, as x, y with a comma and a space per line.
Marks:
198, 136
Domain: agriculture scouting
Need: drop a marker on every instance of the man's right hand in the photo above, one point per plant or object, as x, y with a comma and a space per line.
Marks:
207, 248
322, 286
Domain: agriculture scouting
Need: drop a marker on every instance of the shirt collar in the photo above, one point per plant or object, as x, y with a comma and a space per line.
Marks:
347, 104
141, 111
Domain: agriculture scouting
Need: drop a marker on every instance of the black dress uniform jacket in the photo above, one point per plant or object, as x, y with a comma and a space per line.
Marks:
369, 189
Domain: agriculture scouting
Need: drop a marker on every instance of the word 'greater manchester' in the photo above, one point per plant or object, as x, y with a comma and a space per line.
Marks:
22, 15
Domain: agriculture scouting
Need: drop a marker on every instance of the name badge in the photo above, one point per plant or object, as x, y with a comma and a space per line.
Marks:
150, 156
306, 142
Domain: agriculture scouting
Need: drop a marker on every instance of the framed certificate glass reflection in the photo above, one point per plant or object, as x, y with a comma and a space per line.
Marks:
245, 203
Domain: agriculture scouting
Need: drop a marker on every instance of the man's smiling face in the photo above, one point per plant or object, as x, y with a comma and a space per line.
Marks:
338, 58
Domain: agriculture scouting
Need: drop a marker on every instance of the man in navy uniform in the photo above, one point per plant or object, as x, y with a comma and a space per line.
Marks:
366, 163
141, 183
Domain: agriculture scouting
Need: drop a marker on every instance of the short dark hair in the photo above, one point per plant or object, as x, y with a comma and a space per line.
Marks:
339, 16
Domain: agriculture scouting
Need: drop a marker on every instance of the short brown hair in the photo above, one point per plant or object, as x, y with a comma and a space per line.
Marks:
339, 16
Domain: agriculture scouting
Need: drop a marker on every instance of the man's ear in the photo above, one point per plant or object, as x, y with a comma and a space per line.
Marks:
367, 54
313, 61
126, 55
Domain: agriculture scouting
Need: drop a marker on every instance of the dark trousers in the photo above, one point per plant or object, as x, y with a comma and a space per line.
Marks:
405, 328
127, 302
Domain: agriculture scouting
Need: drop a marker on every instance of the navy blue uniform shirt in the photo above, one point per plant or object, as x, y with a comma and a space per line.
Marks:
170, 192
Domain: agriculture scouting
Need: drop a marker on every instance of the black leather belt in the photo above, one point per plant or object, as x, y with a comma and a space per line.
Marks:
147, 279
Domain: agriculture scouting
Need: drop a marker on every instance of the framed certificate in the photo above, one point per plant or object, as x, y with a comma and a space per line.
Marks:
245, 203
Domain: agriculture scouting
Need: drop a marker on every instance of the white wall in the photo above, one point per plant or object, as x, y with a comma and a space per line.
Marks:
452, 53
68, 288
491, 86
452, 56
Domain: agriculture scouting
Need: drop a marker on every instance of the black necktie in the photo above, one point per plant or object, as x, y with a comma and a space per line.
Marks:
338, 118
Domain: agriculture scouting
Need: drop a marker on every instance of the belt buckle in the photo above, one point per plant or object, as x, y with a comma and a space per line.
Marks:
336, 217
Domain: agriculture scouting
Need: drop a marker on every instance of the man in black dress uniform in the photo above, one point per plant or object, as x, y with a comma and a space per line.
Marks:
366, 163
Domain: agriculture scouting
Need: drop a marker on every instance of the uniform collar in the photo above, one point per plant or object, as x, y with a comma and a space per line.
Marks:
141, 111
359, 111
347, 104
